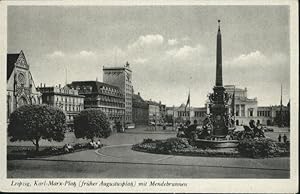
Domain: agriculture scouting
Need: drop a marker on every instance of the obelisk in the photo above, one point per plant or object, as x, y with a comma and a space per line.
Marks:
219, 79
219, 98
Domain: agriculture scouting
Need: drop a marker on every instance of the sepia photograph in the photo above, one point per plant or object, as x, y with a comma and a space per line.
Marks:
163, 93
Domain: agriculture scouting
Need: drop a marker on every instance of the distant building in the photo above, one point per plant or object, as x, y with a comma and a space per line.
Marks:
245, 108
153, 111
267, 115
121, 77
163, 110
64, 98
20, 87
106, 97
156, 111
181, 114
140, 115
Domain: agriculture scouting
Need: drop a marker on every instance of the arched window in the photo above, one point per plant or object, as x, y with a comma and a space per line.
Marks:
22, 101
8, 106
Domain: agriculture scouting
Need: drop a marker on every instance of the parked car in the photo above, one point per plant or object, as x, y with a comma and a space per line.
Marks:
152, 123
169, 124
267, 129
130, 126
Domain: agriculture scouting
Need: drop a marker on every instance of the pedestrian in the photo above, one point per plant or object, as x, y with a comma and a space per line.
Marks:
284, 138
279, 138
99, 143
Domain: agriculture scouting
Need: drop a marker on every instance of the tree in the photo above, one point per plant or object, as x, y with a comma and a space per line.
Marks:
91, 123
36, 122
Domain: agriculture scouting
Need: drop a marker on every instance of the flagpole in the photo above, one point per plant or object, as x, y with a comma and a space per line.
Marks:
189, 106
234, 105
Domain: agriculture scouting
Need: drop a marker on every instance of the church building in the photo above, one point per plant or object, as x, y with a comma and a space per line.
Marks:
20, 89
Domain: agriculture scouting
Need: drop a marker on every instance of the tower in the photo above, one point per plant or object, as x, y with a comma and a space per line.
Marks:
122, 78
219, 98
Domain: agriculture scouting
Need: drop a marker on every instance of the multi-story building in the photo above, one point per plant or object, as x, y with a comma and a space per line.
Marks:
140, 115
154, 114
64, 98
108, 98
20, 87
121, 77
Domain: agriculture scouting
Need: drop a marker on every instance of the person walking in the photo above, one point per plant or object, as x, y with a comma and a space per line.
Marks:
284, 138
279, 138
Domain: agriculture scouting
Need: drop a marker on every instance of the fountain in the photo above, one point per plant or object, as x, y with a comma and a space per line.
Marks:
218, 119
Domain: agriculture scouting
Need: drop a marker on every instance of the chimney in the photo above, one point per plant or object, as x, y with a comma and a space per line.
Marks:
139, 94
44, 85
59, 85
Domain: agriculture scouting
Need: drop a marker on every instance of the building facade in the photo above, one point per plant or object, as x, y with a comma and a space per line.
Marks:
181, 114
121, 77
157, 112
20, 87
245, 108
267, 115
107, 98
64, 98
140, 115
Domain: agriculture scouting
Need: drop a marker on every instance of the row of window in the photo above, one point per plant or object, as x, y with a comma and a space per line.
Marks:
112, 111
263, 113
183, 113
199, 114
69, 107
114, 92
110, 99
66, 99
102, 103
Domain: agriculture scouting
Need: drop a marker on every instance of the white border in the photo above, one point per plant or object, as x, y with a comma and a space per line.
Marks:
195, 185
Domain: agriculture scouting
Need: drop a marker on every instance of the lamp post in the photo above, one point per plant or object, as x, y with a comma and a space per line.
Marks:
173, 119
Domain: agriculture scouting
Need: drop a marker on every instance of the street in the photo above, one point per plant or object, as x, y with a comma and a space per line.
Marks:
117, 160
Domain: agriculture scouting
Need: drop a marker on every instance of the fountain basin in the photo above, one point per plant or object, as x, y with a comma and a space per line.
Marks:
216, 144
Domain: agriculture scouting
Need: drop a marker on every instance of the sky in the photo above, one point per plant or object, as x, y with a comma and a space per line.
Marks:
171, 49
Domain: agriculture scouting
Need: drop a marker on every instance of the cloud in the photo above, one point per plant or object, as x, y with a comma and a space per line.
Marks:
172, 42
185, 39
140, 60
151, 40
257, 59
85, 53
261, 73
56, 54
252, 58
185, 51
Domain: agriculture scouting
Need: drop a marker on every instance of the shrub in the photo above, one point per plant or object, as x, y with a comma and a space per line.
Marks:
172, 144
148, 140
91, 123
258, 147
36, 122
80, 146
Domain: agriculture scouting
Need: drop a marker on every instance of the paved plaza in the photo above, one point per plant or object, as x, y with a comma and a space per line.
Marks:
117, 160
